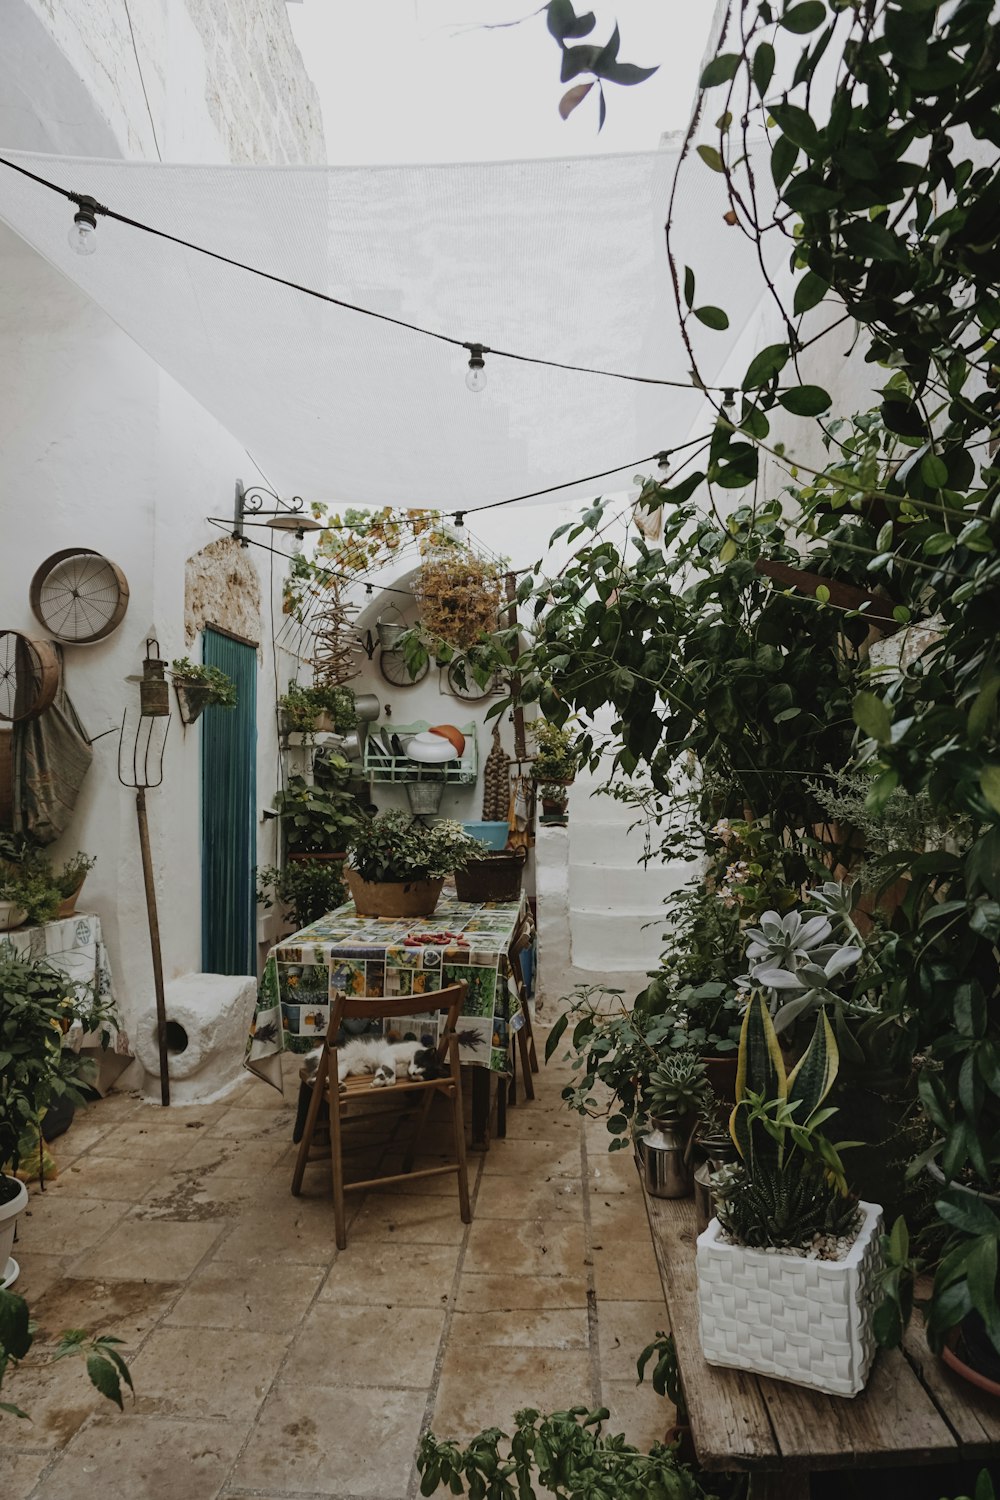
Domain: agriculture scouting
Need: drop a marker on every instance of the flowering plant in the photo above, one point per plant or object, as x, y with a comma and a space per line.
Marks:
395, 847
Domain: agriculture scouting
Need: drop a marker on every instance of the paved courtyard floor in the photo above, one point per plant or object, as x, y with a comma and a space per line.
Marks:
266, 1363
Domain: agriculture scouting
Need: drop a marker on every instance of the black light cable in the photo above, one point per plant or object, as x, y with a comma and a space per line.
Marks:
475, 377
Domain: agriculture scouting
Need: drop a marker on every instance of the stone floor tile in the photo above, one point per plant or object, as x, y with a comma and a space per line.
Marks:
537, 1160
637, 1412
146, 1458
623, 1331
196, 1373
392, 1275
235, 1157
126, 1310
68, 1224
38, 1272
254, 1125
528, 1122
97, 1175
332, 1441
148, 1250
511, 1198
254, 1093
364, 1345
57, 1397
476, 1393
297, 1230
267, 1301
522, 1328
625, 1271
427, 1219
503, 1291
90, 1126
20, 1471
192, 1194
536, 1247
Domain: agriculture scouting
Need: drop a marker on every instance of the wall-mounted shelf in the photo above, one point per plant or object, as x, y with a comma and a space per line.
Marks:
380, 766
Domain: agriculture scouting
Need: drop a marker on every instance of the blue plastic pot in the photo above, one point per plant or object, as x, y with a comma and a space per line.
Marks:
493, 835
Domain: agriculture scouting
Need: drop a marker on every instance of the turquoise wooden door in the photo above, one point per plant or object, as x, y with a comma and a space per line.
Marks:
229, 814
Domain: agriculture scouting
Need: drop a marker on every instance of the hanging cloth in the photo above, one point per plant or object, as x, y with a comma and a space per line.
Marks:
519, 814
496, 782
52, 755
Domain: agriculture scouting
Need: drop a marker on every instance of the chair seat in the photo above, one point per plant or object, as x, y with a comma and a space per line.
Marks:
360, 1085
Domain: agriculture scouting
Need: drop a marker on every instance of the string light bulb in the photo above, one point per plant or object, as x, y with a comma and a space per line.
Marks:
475, 377
459, 518
83, 233
663, 462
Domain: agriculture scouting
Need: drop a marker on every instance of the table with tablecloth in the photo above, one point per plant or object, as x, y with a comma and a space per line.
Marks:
75, 946
378, 956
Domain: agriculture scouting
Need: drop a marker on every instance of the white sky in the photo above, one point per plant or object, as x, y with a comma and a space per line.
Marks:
411, 81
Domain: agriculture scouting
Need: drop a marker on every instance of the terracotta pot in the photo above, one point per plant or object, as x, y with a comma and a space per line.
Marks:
67, 907
393, 898
955, 1362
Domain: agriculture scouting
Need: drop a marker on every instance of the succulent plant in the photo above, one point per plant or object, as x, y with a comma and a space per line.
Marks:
679, 1085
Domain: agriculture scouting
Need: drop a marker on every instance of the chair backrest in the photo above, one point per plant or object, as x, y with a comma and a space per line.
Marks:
383, 1007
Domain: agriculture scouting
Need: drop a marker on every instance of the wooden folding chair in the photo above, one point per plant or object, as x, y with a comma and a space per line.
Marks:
325, 1087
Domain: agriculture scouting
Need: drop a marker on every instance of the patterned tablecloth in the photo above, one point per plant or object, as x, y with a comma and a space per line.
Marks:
372, 956
76, 948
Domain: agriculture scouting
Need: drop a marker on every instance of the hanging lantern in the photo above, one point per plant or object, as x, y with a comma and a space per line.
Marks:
154, 693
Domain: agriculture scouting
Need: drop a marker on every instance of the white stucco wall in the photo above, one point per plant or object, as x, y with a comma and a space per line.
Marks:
98, 447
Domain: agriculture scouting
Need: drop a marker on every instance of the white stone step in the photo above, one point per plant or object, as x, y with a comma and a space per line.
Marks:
606, 941
612, 886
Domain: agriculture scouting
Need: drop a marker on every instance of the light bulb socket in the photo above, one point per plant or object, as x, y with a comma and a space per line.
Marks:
663, 461
728, 400
476, 353
86, 211
460, 518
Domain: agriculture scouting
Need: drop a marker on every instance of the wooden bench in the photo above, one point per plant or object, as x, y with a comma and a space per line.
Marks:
913, 1411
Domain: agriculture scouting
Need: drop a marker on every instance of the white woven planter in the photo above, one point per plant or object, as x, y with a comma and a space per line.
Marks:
808, 1321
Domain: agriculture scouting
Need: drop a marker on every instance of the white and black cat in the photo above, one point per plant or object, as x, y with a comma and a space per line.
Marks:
385, 1061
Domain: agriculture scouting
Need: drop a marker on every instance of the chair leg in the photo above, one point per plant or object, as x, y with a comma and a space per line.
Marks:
459, 1129
312, 1114
337, 1170
512, 1085
532, 1054
522, 1047
416, 1136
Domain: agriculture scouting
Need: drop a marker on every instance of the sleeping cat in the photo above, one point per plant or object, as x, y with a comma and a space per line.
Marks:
384, 1060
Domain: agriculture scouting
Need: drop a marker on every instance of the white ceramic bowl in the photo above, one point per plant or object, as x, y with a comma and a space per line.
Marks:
430, 749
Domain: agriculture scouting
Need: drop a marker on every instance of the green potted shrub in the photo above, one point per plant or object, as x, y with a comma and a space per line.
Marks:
305, 889
199, 687
69, 881
318, 821
788, 1227
38, 1004
316, 709
397, 865
677, 1094
26, 896
553, 768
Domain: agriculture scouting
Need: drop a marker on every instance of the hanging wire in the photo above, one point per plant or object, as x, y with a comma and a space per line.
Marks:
368, 312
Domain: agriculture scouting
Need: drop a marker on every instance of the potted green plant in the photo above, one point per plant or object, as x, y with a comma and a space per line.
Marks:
69, 881
963, 1324
199, 687
554, 766
38, 1004
305, 889
397, 865
318, 821
26, 896
788, 1227
677, 1094
317, 709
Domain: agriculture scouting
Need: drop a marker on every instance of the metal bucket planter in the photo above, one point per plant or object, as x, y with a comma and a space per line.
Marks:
424, 796
367, 707
389, 632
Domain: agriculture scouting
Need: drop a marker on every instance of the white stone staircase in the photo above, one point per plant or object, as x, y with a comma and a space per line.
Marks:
600, 904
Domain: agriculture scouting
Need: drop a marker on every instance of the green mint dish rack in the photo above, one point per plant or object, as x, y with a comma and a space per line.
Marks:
379, 765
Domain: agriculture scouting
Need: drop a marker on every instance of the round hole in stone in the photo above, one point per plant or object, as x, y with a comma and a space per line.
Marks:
177, 1037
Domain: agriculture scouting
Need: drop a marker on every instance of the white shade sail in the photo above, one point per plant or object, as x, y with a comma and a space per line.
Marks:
559, 259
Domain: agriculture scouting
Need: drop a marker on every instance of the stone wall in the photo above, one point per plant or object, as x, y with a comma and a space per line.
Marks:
224, 79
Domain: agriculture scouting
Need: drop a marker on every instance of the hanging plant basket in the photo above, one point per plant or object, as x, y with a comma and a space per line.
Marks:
459, 596
193, 698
